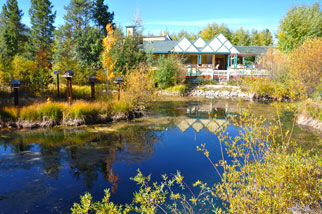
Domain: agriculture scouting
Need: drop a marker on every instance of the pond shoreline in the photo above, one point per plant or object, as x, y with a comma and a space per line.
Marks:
48, 123
308, 121
220, 92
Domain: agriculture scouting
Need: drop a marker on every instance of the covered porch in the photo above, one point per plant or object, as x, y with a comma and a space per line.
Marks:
206, 61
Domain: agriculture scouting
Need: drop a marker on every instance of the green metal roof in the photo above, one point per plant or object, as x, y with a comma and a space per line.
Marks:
164, 47
159, 47
252, 49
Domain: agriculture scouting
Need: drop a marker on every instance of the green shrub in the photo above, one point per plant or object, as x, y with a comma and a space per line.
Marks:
206, 81
266, 87
169, 69
178, 88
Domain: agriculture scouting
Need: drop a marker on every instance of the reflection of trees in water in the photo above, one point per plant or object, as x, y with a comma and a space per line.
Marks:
51, 159
88, 154
169, 108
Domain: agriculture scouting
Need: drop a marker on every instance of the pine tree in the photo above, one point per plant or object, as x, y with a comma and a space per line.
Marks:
12, 31
101, 15
41, 38
41, 34
83, 30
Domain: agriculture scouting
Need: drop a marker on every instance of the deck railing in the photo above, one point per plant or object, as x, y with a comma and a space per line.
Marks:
194, 71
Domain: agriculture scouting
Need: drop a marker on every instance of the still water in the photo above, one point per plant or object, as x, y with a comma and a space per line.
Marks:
46, 170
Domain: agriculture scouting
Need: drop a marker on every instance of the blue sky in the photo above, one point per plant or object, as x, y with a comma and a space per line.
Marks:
191, 15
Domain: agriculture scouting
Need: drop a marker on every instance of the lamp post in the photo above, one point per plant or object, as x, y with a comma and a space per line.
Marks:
15, 84
118, 80
92, 80
68, 75
57, 75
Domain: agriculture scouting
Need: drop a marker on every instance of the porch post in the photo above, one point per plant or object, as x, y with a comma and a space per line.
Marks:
228, 62
213, 73
197, 58
235, 60
228, 75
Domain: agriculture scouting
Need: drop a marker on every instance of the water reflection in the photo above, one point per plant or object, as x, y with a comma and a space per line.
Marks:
206, 116
60, 164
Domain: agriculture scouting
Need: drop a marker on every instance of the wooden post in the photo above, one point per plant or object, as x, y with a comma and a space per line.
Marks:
58, 84
118, 91
67, 88
16, 94
93, 90
70, 92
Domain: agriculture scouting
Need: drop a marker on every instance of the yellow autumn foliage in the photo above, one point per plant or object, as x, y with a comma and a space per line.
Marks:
306, 65
276, 62
107, 63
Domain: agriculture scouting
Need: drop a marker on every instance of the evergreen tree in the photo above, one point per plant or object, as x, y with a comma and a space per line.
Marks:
41, 34
78, 15
101, 15
86, 39
12, 31
41, 39
80, 39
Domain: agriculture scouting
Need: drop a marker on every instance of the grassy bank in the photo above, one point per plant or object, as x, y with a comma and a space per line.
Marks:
59, 111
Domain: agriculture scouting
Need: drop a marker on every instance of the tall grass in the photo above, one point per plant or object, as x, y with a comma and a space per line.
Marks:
122, 106
83, 110
78, 90
49, 110
8, 113
54, 111
78, 110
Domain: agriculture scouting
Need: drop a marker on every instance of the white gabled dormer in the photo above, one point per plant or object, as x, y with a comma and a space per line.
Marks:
185, 46
220, 44
200, 43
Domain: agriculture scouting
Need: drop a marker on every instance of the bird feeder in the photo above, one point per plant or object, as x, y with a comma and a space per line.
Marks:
118, 80
15, 84
68, 75
92, 80
57, 75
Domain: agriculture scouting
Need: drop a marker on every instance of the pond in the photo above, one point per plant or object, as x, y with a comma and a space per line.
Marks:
46, 170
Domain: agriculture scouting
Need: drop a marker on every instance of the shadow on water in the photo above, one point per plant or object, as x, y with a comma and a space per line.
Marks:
48, 169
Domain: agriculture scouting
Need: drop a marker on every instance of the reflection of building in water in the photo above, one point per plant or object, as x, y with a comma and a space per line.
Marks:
205, 116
